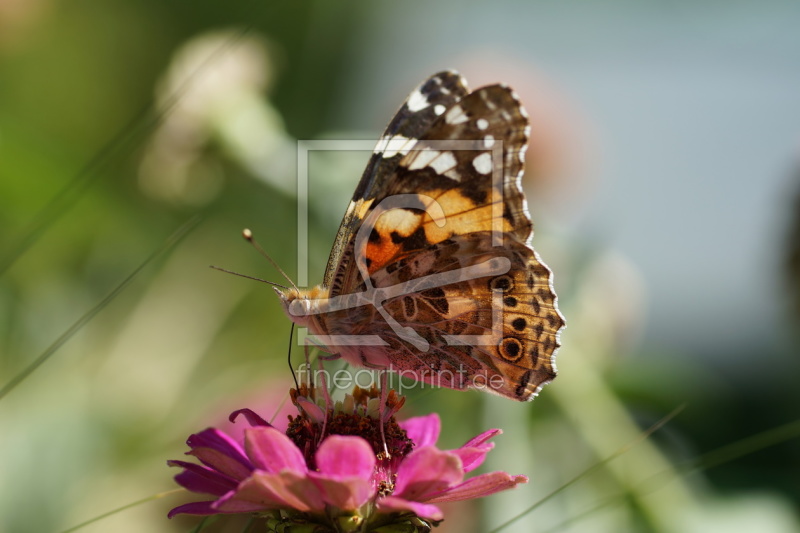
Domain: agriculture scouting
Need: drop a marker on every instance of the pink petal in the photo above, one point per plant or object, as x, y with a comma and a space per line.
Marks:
199, 478
272, 451
423, 430
231, 504
253, 418
476, 442
427, 471
472, 458
478, 487
393, 504
217, 450
264, 490
345, 456
346, 466
195, 508
344, 493
314, 411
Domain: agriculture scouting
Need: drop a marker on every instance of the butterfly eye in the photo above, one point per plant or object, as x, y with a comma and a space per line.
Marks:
502, 283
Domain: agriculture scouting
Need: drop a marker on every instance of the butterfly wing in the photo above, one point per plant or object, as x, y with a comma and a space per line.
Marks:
498, 333
476, 182
461, 176
414, 118
459, 202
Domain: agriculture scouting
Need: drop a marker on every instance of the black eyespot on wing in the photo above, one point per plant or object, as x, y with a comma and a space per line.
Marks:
510, 301
519, 324
502, 283
510, 349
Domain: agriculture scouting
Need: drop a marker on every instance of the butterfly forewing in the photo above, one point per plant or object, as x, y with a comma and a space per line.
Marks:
422, 107
469, 162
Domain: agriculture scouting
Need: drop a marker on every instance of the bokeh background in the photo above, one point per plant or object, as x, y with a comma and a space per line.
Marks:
663, 179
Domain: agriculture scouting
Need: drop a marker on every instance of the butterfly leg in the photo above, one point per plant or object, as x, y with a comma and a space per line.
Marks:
384, 410
328, 401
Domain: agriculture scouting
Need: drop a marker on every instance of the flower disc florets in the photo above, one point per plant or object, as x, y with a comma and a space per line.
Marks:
359, 414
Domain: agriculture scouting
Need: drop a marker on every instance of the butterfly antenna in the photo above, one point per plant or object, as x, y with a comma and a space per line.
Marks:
289, 359
248, 235
248, 277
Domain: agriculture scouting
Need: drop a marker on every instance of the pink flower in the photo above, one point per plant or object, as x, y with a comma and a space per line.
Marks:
347, 482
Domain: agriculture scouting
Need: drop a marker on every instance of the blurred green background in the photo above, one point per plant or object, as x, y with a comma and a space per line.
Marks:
662, 179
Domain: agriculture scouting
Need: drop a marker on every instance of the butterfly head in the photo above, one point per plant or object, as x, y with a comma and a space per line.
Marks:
300, 306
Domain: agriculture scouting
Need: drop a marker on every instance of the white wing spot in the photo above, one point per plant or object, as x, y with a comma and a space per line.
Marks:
483, 163
400, 220
488, 141
417, 101
381, 146
422, 158
456, 115
482, 123
444, 162
439, 109
399, 144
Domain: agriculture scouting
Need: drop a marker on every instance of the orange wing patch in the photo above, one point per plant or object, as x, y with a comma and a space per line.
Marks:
399, 231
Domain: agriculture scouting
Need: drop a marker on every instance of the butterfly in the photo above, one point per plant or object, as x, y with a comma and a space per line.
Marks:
431, 274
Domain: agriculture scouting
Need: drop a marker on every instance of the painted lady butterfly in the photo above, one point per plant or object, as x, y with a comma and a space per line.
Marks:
430, 274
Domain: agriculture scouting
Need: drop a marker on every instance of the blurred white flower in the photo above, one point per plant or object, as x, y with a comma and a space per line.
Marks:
213, 91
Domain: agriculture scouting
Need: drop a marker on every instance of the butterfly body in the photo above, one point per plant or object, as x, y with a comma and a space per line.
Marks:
431, 274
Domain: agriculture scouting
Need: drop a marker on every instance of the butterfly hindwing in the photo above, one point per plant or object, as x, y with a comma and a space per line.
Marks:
499, 332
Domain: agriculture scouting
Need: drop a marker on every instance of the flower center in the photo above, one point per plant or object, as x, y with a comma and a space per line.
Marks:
357, 415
